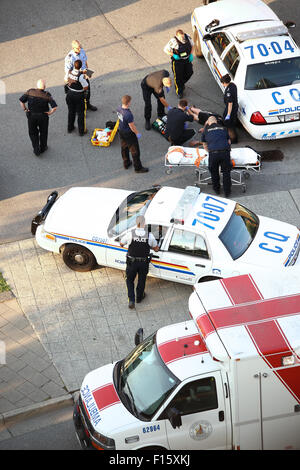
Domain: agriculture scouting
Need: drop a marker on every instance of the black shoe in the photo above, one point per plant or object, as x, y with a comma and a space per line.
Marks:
131, 304
83, 133
128, 165
142, 170
92, 107
44, 150
139, 300
217, 191
180, 95
37, 152
147, 125
228, 194
71, 130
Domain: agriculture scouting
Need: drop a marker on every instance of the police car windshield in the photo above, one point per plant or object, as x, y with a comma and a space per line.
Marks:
273, 74
135, 204
239, 231
145, 379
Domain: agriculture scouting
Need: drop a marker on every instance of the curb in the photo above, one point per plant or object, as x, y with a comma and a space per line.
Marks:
6, 295
20, 413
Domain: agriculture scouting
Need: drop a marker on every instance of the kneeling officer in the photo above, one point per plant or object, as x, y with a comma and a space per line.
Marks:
138, 258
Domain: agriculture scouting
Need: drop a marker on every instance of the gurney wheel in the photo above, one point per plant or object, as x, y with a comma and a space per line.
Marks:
169, 171
246, 175
244, 188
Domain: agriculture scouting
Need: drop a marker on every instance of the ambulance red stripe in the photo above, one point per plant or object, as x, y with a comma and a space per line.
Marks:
179, 348
105, 396
268, 338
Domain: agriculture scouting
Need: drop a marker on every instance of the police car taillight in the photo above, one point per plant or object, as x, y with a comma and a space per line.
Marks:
257, 118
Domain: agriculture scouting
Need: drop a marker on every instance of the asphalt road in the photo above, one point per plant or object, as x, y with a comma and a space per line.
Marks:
124, 41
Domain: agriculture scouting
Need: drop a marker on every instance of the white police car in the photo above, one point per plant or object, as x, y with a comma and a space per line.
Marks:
246, 39
200, 236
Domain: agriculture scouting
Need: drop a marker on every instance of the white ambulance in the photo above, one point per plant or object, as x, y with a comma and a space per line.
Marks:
227, 379
246, 39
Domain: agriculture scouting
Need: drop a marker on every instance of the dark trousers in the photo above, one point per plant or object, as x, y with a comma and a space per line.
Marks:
38, 130
76, 105
130, 144
182, 71
180, 140
217, 160
141, 269
147, 94
230, 124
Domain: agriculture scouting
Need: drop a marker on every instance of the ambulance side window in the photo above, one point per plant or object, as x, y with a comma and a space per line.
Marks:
195, 397
188, 243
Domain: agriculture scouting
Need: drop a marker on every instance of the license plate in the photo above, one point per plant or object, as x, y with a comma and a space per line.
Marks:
291, 117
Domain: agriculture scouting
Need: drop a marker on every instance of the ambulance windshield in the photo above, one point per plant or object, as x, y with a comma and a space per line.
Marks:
239, 231
125, 216
273, 74
145, 381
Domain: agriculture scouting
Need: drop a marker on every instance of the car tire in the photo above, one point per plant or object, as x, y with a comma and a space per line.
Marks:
197, 45
78, 258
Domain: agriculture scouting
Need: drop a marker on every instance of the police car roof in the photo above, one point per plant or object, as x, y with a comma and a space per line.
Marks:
245, 11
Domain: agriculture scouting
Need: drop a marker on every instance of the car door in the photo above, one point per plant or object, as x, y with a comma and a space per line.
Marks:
200, 403
185, 258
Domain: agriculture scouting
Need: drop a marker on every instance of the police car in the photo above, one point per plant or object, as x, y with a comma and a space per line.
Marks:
201, 236
246, 39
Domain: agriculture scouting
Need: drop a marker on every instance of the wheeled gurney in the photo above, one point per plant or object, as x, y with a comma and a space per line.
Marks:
243, 160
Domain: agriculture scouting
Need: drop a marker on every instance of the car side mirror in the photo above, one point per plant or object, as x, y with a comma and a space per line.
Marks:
290, 24
139, 336
174, 417
207, 37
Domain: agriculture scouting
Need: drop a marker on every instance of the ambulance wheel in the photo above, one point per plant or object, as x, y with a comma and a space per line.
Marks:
197, 45
78, 258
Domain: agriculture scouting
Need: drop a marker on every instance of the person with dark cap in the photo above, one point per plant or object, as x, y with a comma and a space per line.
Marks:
180, 48
177, 119
139, 242
129, 136
40, 105
231, 107
76, 89
154, 83
216, 142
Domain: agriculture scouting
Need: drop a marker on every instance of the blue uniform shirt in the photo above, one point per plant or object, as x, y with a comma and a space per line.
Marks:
72, 56
216, 137
125, 117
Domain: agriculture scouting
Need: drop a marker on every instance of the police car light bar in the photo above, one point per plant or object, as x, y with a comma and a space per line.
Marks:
260, 33
184, 205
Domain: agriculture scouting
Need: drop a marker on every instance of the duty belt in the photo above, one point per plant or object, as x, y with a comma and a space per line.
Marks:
218, 151
136, 258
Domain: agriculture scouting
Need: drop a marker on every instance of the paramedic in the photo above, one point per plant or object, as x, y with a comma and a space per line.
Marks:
216, 142
177, 119
129, 136
139, 242
37, 111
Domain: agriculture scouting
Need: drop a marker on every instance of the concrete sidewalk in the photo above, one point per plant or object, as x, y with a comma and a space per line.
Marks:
58, 324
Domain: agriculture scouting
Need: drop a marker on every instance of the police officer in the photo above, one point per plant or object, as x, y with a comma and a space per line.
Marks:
129, 136
76, 87
154, 83
176, 129
40, 105
77, 53
180, 48
216, 142
231, 107
139, 242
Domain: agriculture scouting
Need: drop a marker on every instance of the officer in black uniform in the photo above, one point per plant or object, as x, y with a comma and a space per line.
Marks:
176, 129
154, 83
216, 142
76, 89
231, 107
180, 49
139, 242
38, 111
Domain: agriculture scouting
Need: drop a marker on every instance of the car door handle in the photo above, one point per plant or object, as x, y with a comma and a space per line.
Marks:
221, 416
200, 265
155, 256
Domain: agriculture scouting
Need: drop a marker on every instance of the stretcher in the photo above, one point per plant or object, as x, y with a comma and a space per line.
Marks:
244, 160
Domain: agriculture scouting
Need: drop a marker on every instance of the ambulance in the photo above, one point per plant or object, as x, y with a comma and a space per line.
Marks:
246, 39
228, 378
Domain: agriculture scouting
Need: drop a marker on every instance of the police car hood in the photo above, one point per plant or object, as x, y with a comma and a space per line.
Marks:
84, 212
275, 244
102, 404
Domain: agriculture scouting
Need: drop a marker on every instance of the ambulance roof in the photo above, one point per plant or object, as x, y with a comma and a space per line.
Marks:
245, 11
250, 315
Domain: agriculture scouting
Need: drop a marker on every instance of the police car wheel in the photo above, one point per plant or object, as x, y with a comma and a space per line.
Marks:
197, 46
78, 258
